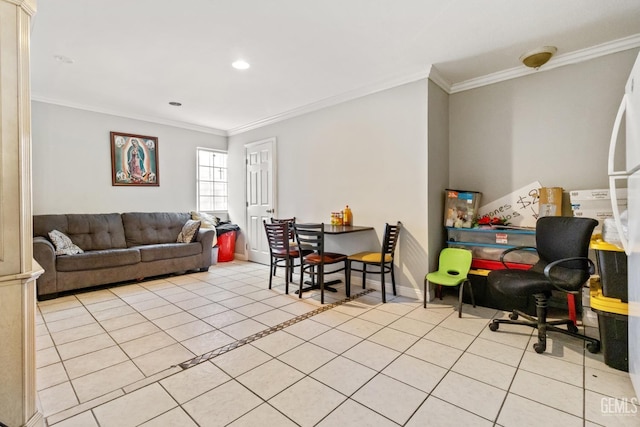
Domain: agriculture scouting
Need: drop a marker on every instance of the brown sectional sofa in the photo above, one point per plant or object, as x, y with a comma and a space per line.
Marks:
117, 247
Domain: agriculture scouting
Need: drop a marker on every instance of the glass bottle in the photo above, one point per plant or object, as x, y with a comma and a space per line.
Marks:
347, 216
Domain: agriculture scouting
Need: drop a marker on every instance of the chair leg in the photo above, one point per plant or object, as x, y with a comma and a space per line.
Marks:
321, 281
382, 284
461, 286
424, 292
364, 275
286, 275
393, 278
473, 300
301, 280
271, 272
347, 278
541, 312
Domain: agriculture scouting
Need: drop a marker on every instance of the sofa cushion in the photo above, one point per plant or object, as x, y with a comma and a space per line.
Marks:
189, 232
91, 232
151, 228
168, 250
98, 259
63, 244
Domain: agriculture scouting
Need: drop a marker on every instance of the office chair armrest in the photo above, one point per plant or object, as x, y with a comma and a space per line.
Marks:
547, 271
516, 248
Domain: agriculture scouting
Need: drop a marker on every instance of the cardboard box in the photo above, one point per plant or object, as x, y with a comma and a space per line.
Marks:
599, 194
596, 204
550, 201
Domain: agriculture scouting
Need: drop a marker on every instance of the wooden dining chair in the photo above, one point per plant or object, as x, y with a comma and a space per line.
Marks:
383, 260
310, 239
280, 250
292, 243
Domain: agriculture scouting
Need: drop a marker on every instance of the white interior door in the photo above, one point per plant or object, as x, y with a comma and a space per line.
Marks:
261, 184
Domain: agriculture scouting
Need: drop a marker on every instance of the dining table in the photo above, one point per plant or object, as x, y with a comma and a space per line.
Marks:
333, 230
344, 229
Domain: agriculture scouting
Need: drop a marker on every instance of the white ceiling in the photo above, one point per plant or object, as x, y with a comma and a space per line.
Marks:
132, 57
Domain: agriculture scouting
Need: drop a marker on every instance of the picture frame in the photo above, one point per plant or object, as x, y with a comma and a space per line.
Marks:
134, 160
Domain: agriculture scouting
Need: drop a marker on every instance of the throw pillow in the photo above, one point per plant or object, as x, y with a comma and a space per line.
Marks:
63, 244
189, 232
206, 220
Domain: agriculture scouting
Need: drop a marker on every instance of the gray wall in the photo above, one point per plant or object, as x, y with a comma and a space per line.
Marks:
72, 163
369, 153
438, 166
551, 126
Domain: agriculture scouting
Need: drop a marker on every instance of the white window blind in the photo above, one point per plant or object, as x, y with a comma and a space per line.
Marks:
212, 180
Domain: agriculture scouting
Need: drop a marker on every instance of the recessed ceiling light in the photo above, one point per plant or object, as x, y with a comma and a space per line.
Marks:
240, 64
175, 104
63, 59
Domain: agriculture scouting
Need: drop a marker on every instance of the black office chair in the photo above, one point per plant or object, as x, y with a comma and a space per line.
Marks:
562, 244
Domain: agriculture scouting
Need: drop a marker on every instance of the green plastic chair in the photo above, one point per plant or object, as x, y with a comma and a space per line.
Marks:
453, 267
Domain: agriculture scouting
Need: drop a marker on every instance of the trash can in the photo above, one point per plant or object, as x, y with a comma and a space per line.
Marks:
613, 323
227, 234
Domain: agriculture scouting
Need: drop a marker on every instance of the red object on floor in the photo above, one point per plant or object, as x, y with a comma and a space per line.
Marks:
226, 246
571, 303
487, 264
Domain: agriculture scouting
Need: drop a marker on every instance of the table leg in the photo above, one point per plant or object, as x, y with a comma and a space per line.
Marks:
327, 286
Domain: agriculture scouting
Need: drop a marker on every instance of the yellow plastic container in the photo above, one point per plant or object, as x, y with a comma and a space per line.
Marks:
608, 304
612, 267
598, 244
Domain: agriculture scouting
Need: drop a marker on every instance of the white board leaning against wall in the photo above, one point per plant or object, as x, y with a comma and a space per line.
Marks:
518, 209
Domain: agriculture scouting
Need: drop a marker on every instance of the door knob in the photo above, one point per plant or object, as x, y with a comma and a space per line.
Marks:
270, 210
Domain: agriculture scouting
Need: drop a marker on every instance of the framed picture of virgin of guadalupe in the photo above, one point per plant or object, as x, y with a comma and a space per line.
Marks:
134, 159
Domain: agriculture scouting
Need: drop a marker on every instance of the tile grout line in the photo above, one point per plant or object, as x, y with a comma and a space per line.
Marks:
219, 351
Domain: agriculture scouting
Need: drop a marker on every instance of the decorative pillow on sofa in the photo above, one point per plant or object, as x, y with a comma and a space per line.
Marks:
206, 220
63, 244
189, 232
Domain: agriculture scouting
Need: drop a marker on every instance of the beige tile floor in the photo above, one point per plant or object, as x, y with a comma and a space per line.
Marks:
110, 357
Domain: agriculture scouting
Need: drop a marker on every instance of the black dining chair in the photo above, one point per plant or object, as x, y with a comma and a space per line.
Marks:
382, 260
278, 237
293, 244
310, 239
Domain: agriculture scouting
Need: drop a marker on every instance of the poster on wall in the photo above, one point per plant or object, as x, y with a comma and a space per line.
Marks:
134, 160
517, 209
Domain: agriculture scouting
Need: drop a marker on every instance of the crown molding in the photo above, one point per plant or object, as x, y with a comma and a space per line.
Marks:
436, 77
334, 100
431, 72
157, 120
28, 6
575, 57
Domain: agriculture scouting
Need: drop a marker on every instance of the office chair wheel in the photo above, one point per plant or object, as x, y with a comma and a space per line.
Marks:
539, 348
593, 347
494, 326
571, 327
513, 316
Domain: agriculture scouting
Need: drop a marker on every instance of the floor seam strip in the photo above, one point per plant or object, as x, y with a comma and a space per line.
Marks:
239, 343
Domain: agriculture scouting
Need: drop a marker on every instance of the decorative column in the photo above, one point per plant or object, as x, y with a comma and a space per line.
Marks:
18, 270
